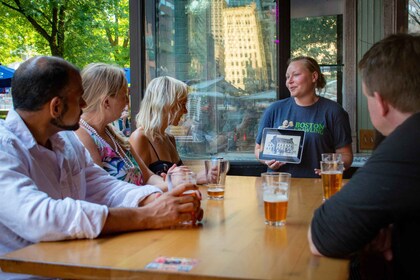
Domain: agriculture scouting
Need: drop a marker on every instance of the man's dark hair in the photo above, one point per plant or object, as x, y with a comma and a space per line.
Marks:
38, 80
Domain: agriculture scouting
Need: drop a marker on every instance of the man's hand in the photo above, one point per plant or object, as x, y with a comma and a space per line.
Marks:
157, 211
171, 208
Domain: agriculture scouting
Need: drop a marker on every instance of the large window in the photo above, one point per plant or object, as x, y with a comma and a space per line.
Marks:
321, 38
226, 51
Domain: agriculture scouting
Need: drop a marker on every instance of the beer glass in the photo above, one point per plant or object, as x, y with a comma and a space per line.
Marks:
331, 157
181, 177
276, 187
332, 176
216, 171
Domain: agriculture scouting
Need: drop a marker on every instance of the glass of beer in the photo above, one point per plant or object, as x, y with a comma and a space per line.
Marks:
181, 177
276, 187
331, 157
332, 176
216, 171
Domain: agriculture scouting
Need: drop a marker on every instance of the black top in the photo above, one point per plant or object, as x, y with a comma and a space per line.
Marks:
326, 125
386, 190
161, 166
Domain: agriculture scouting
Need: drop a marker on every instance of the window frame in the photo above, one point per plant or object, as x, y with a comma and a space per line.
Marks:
137, 52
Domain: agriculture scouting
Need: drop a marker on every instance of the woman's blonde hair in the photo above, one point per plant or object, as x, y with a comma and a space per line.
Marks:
313, 66
161, 102
100, 81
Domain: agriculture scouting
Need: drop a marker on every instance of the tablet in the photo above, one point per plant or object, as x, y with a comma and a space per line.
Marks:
285, 145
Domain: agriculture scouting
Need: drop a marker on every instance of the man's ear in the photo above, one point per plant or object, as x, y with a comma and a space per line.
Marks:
56, 107
382, 104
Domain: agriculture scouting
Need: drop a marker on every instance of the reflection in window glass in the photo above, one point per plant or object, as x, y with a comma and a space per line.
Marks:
225, 51
317, 37
330, 72
413, 16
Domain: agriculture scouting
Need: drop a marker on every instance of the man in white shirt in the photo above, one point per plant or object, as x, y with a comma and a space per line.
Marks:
50, 189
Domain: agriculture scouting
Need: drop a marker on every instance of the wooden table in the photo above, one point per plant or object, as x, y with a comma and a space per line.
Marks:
232, 243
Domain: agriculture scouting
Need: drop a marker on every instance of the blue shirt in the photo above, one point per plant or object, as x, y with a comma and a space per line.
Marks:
326, 125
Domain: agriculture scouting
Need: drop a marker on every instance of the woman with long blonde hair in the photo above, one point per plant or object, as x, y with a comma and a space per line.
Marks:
163, 104
106, 95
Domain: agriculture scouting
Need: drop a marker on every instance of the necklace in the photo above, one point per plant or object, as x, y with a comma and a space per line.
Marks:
117, 146
128, 164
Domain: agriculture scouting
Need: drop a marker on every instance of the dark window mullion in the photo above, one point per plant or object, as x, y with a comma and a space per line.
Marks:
283, 46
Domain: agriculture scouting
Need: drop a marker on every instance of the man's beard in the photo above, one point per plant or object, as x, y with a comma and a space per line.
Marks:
58, 122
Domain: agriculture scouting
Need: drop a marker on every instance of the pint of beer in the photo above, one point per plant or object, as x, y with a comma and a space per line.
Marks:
332, 176
275, 208
276, 197
193, 220
181, 177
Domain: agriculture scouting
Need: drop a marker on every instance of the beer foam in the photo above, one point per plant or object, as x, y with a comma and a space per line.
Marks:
331, 172
271, 197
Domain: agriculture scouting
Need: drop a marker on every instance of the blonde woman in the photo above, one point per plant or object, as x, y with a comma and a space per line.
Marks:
105, 92
163, 104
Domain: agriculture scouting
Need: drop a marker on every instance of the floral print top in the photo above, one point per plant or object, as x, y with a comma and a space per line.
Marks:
115, 165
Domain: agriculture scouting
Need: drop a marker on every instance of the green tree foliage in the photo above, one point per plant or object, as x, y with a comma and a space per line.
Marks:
80, 31
19, 40
100, 32
315, 37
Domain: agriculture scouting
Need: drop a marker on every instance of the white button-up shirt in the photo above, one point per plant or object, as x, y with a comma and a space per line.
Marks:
57, 194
